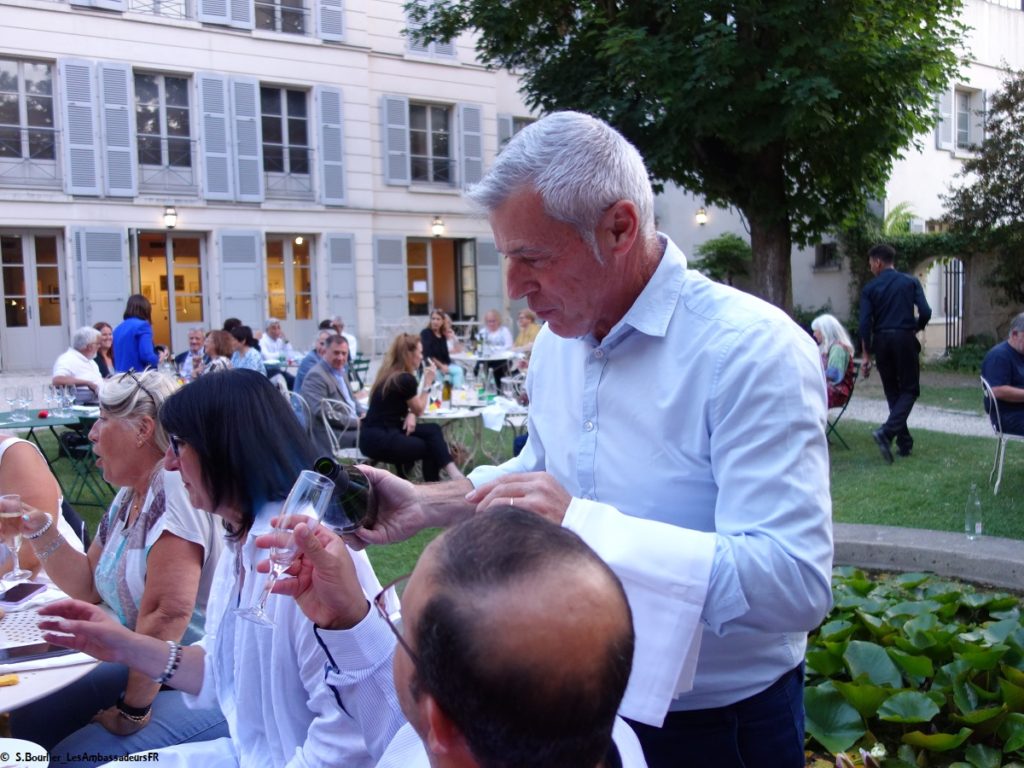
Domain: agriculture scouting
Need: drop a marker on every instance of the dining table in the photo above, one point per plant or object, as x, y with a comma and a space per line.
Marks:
16, 421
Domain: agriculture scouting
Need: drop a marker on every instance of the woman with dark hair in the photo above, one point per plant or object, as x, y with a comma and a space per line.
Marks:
219, 347
246, 353
133, 338
105, 354
269, 682
435, 339
390, 432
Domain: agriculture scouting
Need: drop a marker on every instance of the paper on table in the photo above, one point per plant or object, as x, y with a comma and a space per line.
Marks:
52, 662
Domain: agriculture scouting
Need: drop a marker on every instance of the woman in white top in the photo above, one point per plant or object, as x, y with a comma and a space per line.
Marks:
151, 565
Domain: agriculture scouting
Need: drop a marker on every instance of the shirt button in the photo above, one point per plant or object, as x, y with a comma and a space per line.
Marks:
598, 353
588, 426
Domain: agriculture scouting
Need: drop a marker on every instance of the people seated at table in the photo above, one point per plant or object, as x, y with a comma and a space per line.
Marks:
528, 330
494, 338
337, 324
246, 354
328, 380
218, 347
190, 362
391, 431
268, 681
133, 337
1003, 369
435, 341
836, 358
76, 366
312, 357
105, 354
478, 654
277, 351
151, 565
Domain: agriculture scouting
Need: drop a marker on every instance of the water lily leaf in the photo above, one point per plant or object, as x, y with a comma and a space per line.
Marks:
979, 716
863, 658
985, 658
984, 694
948, 674
850, 600
937, 742
864, 697
981, 756
908, 707
998, 631
836, 630
975, 600
830, 719
911, 580
913, 608
824, 663
965, 696
1002, 601
875, 625
1011, 731
913, 665
1013, 695
1014, 675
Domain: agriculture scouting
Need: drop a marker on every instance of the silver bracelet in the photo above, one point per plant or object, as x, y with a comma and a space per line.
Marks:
173, 661
41, 531
44, 554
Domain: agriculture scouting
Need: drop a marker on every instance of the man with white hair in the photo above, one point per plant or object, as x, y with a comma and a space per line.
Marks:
277, 351
76, 367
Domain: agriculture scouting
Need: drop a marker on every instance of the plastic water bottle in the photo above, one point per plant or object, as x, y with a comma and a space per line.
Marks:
973, 526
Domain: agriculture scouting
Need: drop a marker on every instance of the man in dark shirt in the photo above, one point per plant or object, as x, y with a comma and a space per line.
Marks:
888, 329
1003, 369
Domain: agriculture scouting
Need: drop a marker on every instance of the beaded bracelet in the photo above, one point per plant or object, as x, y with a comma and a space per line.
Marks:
44, 554
41, 531
173, 661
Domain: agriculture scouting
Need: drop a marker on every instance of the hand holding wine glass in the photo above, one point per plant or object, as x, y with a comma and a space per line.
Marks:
306, 502
10, 532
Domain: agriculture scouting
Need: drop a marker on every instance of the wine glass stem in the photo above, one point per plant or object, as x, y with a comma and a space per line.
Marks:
261, 604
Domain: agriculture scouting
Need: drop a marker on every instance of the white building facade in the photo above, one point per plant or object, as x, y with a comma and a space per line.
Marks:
253, 158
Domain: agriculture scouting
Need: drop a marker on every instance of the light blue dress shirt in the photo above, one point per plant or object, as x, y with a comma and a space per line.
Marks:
703, 408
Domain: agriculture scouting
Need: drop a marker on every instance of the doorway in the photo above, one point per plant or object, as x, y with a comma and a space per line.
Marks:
290, 286
171, 275
33, 332
439, 273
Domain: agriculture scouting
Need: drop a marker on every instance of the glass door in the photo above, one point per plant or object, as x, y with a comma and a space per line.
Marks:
290, 287
33, 331
171, 275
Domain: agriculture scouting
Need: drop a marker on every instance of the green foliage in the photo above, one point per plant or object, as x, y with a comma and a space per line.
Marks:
793, 111
724, 258
897, 220
968, 356
918, 663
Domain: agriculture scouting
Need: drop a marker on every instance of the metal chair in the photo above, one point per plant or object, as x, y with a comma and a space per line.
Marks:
358, 369
840, 410
992, 408
302, 412
340, 411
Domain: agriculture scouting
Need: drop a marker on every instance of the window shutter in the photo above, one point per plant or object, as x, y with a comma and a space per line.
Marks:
471, 126
101, 258
391, 297
979, 105
331, 20
332, 146
81, 158
504, 130
213, 11
245, 103
241, 13
411, 28
241, 278
395, 129
341, 278
944, 128
215, 132
489, 292
446, 50
120, 169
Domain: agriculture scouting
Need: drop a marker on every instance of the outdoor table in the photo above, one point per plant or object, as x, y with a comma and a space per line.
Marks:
489, 357
447, 418
34, 423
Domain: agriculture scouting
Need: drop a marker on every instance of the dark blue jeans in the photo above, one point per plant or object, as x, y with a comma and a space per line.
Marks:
765, 730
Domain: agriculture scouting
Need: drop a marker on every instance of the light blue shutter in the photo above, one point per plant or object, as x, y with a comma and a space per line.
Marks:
341, 278
81, 156
472, 151
332, 145
490, 293
101, 258
215, 131
395, 129
330, 20
240, 278
411, 28
391, 293
120, 169
979, 105
213, 11
241, 14
245, 103
944, 128
504, 130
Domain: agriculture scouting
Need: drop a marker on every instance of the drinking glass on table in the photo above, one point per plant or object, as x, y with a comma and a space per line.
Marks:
70, 394
24, 401
11, 396
308, 498
10, 532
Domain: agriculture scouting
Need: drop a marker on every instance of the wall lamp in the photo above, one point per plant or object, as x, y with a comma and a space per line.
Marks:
437, 226
170, 217
701, 217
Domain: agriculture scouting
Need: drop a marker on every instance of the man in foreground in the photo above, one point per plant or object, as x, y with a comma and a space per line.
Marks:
1003, 369
888, 328
678, 426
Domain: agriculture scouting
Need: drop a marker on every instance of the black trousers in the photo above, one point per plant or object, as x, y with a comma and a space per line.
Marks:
896, 355
426, 444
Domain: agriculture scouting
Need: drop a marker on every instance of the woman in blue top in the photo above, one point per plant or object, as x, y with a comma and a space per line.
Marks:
133, 338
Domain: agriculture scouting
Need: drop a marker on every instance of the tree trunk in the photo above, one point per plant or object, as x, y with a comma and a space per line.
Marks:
772, 273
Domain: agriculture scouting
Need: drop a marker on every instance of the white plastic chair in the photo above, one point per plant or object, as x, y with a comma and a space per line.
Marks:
992, 406
342, 412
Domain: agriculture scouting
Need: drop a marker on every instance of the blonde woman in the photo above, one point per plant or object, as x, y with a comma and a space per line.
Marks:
836, 357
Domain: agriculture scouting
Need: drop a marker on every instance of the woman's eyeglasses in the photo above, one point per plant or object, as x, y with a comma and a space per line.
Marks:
175, 444
130, 373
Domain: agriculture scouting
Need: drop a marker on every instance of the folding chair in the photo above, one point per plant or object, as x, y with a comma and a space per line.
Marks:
358, 369
840, 410
87, 486
992, 407
302, 412
340, 411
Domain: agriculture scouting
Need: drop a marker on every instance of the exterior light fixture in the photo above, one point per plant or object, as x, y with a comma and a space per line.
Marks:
298, 240
437, 226
701, 217
170, 217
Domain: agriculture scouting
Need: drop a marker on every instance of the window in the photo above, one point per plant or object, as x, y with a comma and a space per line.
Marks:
509, 126
26, 111
430, 146
163, 125
826, 256
285, 131
438, 50
281, 16
961, 124
171, 9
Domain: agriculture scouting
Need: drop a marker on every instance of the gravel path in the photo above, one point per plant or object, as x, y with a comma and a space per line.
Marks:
922, 417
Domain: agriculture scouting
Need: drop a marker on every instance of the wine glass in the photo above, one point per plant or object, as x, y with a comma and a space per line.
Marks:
10, 531
308, 498
24, 401
70, 394
352, 502
48, 396
11, 396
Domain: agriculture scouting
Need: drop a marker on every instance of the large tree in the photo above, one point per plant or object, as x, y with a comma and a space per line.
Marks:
791, 110
987, 198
